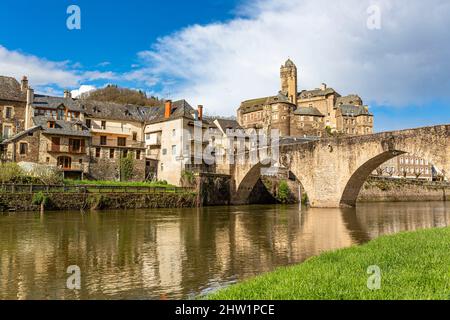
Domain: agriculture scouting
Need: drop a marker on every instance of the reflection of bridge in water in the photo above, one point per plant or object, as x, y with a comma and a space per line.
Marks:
332, 171
148, 254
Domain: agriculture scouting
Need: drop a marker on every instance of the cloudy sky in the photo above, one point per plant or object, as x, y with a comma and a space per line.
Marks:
220, 52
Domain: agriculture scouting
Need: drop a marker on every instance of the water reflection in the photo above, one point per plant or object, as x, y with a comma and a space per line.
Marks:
173, 254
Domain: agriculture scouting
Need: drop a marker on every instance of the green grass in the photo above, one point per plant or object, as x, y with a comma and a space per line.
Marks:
117, 183
414, 266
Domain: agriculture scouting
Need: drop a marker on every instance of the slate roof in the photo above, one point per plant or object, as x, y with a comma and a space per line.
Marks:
112, 111
228, 124
180, 109
307, 111
20, 135
354, 111
10, 89
63, 128
351, 99
258, 104
48, 102
307, 94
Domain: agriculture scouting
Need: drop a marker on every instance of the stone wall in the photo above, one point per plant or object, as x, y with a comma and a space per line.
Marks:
104, 201
378, 190
214, 189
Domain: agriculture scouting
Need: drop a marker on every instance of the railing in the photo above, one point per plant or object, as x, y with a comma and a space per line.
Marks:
66, 149
33, 188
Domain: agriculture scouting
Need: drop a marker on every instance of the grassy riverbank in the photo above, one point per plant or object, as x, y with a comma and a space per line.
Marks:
414, 265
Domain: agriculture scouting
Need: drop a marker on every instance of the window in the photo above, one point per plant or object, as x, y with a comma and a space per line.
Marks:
103, 125
80, 161
174, 150
97, 152
121, 142
164, 152
51, 124
60, 115
88, 123
162, 167
7, 131
111, 153
138, 155
125, 153
147, 136
134, 136
23, 148
103, 140
174, 133
47, 159
8, 112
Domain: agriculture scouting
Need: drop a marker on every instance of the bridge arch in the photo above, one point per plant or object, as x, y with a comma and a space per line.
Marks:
333, 171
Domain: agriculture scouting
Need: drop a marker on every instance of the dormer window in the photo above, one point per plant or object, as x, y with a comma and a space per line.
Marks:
51, 124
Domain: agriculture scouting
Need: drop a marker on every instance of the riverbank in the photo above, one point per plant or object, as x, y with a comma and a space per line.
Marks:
399, 190
96, 201
414, 265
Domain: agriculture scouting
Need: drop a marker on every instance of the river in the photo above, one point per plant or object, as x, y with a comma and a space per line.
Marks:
173, 254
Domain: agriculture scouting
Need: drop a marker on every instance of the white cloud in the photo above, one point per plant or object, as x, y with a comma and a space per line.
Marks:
406, 62
83, 89
45, 75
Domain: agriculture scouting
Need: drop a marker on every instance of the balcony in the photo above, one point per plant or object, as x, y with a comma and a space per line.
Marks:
66, 149
113, 130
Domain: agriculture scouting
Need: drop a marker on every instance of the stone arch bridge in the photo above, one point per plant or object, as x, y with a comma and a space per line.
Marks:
333, 170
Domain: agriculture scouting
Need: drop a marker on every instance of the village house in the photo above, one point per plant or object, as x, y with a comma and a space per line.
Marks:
12, 106
117, 132
176, 138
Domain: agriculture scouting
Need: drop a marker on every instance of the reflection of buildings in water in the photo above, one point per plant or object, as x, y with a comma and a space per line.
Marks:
378, 219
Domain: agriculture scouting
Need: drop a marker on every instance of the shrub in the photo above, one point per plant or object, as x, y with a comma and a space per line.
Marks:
127, 167
41, 199
47, 175
187, 179
10, 173
283, 192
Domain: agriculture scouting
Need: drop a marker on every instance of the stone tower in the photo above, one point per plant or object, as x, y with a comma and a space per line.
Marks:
288, 74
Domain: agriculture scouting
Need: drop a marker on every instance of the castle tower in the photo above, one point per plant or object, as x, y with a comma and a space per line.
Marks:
288, 75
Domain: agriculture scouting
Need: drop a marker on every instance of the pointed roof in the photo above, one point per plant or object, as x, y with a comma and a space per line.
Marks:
289, 63
10, 89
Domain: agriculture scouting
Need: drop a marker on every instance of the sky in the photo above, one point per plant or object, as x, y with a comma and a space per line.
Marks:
393, 53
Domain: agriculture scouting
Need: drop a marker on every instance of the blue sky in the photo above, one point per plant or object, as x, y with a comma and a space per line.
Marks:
220, 52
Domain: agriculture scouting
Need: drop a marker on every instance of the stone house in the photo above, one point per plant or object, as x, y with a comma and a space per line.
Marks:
406, 166
55, 135
117, 132
12, 106
176, 137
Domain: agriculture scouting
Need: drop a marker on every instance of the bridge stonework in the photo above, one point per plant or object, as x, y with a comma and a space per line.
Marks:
332, 171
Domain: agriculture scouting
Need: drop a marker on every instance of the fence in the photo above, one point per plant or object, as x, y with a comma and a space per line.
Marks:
32, 188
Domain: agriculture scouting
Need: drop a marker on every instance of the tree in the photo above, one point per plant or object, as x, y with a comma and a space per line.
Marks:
113, 93
127, 167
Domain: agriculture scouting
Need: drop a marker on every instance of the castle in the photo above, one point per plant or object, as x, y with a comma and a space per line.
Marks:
309, 113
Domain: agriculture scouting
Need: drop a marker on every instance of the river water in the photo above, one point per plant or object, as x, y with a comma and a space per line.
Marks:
173, 254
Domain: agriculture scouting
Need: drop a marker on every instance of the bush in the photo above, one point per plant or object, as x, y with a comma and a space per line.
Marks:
283, 192
41, 199
127, 167
10, 173
47, 175
187, 179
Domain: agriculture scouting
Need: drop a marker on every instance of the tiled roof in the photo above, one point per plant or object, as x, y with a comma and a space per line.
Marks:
41, 101
10, 89
308, 111
20, 135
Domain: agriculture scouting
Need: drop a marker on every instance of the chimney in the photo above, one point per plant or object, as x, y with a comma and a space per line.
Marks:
200, 112
168, 109
24, 84
29, 108
323, 87
67, 94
